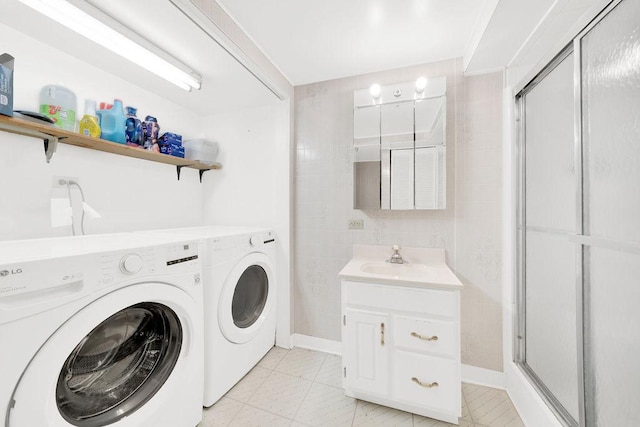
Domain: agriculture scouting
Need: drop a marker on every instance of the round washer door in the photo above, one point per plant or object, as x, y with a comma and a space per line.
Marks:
247, 298
108, 360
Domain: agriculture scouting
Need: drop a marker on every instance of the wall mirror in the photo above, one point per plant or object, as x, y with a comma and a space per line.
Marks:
399, 140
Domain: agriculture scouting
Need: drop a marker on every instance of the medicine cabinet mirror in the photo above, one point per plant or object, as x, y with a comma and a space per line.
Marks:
399, 141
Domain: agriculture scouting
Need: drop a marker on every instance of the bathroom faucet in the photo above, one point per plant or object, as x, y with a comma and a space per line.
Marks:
396, 258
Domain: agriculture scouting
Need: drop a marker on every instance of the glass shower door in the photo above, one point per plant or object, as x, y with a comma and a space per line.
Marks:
610, 62
578, 335
548, 349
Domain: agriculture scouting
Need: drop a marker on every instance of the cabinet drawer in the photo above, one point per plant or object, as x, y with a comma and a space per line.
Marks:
424, 335
411, 369
428, 301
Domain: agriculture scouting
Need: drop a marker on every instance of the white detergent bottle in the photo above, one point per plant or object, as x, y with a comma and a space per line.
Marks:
61, 105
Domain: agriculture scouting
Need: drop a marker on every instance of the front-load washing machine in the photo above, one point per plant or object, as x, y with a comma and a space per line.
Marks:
101, 330
239, 280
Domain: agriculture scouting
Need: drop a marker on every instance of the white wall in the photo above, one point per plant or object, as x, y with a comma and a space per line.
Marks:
253, 187
468, 229
478, 221
323, 201
131, 194
243, 191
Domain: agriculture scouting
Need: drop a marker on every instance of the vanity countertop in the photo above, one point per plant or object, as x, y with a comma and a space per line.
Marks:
423, 267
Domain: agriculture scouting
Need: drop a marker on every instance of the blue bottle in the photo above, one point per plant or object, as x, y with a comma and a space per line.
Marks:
113, 123
133, 128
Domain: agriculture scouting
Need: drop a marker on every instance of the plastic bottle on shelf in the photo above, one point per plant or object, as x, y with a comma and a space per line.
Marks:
113, 123
150, 132
89, 125
133, 128
61, 105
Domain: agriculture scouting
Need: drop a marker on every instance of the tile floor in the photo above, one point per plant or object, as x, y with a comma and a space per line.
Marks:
303, 388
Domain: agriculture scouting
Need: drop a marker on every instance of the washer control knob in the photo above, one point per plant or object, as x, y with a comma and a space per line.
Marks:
131, 263
252, 241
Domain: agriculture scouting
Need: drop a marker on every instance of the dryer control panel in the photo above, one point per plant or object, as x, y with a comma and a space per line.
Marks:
230, 247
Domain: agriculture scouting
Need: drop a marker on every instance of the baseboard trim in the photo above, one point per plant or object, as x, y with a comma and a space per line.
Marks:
315, 343
486, 377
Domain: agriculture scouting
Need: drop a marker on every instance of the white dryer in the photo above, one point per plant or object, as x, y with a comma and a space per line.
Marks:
101, 330
239, 279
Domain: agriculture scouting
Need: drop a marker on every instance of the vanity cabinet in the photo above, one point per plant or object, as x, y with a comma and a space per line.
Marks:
401, 347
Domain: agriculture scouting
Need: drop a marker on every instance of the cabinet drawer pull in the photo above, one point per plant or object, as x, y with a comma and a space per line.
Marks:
422, 337
426, 385
382, 334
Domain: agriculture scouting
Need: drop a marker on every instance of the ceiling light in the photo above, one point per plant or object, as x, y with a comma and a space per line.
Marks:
375, 90
100, 28
421, 84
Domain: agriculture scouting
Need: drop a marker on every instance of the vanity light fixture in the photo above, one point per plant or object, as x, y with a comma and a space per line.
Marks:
421, 84
375, 90
102, 29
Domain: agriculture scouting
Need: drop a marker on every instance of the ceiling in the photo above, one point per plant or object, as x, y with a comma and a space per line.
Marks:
311, 40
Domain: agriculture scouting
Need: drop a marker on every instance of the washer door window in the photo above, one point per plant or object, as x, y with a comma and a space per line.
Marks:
250, 296
119, 365
246, 298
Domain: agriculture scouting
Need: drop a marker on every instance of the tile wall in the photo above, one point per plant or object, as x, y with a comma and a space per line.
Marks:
478, 220
323, 204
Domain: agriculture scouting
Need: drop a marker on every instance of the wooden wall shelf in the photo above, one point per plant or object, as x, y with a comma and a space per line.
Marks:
52, 135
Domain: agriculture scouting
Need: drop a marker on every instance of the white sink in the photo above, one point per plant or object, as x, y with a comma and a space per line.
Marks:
397, 271
423, 267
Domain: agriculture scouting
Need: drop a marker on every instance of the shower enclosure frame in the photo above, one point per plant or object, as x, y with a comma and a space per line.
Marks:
582, 242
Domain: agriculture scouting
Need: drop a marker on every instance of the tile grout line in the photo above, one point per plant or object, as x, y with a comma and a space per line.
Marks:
273, 370
310, 387
280, 361
259, 409
236, 414
353, 419
464, 397
257, 386
249, 398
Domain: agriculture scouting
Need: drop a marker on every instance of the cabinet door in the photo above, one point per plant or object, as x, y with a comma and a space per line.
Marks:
366, 351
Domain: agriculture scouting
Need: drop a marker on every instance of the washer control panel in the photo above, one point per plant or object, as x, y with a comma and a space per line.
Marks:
158, 260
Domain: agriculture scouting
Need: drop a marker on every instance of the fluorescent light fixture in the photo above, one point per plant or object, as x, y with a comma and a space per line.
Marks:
375, 90
100, 28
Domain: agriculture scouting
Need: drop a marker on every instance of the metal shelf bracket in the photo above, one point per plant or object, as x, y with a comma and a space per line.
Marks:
201, 172
50, 146
178, 169
50, 141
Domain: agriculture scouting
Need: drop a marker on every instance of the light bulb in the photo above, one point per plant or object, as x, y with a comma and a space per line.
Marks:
421, 83
375, 90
